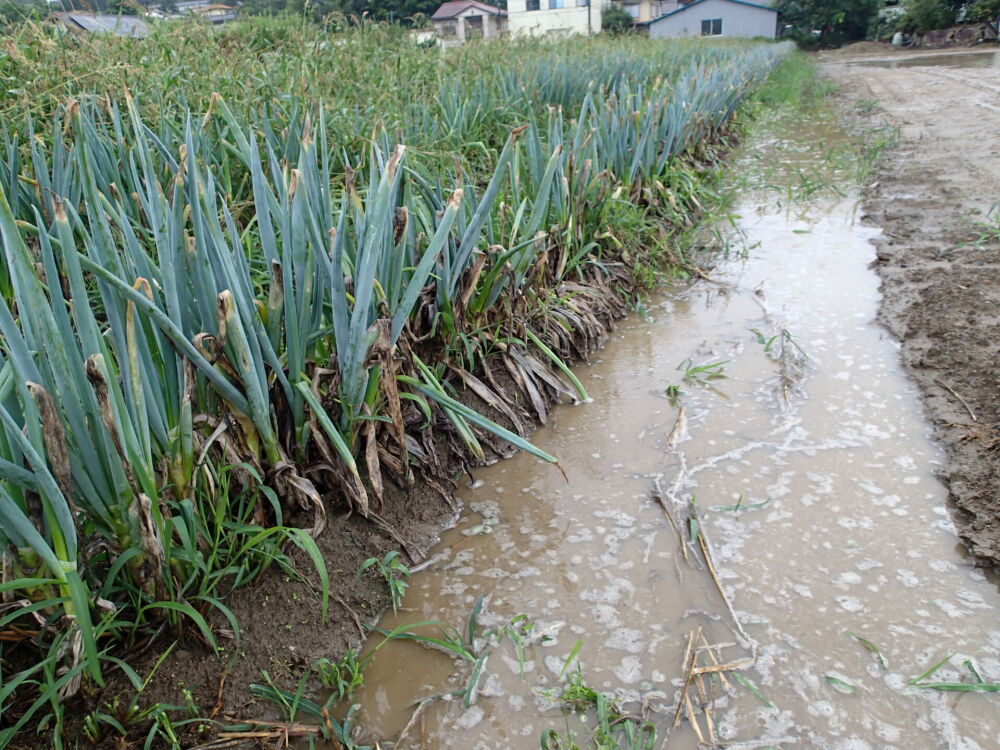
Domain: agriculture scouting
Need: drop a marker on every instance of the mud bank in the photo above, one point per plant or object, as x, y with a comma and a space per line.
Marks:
938, 261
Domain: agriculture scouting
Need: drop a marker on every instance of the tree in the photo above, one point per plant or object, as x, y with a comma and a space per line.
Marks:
926, 15
123, 7
395, 11
399, 11
13, 13
984, 11
837, 21
616, 20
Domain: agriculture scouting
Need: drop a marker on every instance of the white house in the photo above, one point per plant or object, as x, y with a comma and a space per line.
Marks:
555, 17
715, 18
461, 20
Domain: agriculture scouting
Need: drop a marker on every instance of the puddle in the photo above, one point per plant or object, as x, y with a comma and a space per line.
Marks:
989, 59
841, 529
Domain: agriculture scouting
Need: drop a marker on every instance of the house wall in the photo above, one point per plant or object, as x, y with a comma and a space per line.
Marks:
492, 25
422, 36
449, 30
490, 29
646, 10
567, 20
737, 21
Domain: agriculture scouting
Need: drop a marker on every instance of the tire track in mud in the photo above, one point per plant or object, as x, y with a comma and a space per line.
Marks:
941, 297
938, 74
942, 73
923, 111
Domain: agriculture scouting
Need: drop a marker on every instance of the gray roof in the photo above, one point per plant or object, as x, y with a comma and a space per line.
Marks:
131, 26
452, 9
699, 2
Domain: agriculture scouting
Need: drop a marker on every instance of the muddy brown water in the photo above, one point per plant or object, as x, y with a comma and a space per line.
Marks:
841, 528
989, 59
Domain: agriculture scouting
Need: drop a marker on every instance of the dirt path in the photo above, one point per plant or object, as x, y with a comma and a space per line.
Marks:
941, 277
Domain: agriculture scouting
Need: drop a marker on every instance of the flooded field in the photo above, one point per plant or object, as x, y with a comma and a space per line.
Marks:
987, 59
753, 474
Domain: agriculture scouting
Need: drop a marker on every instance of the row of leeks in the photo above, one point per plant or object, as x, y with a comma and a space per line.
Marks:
231, 303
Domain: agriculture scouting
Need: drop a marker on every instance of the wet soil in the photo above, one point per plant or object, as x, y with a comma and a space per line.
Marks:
939, 271
964, 59
282, 628
867, 51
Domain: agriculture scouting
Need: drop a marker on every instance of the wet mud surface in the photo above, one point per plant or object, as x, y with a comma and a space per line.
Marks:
282, 631
880, 55
940, 267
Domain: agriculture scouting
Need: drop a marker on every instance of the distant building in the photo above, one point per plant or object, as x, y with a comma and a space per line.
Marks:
463, 20
206, 10
715, 18
97, 23
646, 10
563, 17
555, 17
214, 13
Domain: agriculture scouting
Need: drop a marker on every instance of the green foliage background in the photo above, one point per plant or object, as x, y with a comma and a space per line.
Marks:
838, 20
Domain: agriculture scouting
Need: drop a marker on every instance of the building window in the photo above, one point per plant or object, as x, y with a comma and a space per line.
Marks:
555, 4
711, 27
582, 3
449, 29
632, 10
531, 5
